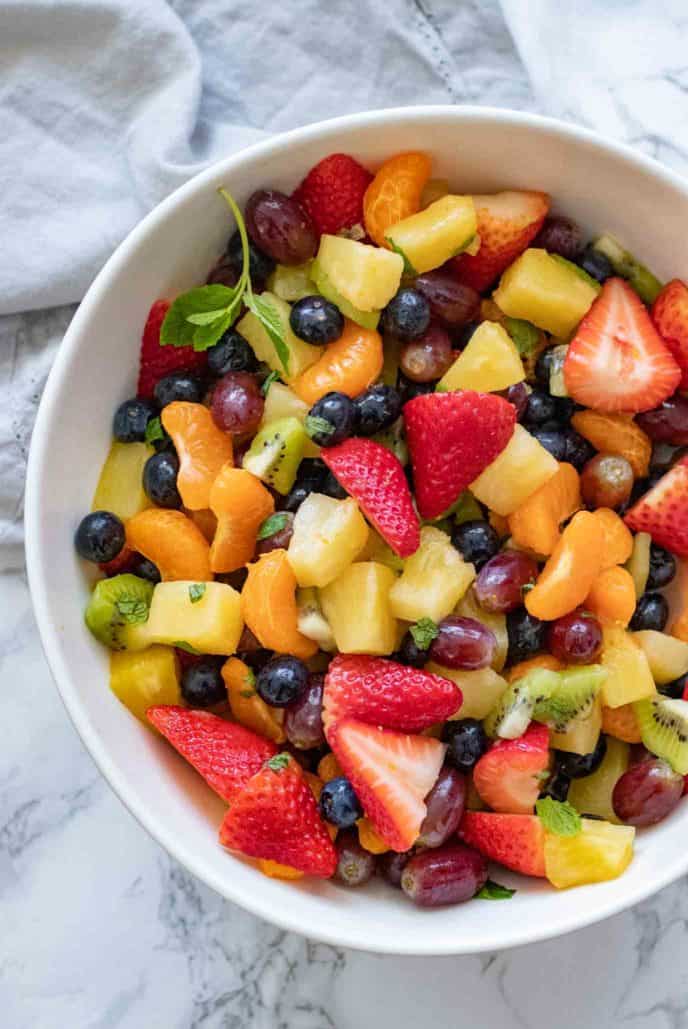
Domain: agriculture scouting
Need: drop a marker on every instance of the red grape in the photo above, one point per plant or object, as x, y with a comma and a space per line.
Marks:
237, 404
576, 639
499, 586
606, 481
303, 719
647, 793
447, 875
518, 396
668, 423
560, 235
428, 357
463, 643
355, 865
280, 539
280, 227
445, 803
392, 864
451, 301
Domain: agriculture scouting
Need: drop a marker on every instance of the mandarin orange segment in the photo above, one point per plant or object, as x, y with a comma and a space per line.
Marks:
206, 522
202, 448
548, 661
573, 566
535, 525
621, 723
329, 767
677, 595
616, 434
395, 193
172, 542
348, 365
268, 601
274, 870
612, 596
248, 707
240, 502
617, 537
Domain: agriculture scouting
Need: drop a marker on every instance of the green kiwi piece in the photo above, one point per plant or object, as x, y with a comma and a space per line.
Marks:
572, 697
664, 729
117, 610
510, 718
311, 621
395, 440
647, 286
275, 453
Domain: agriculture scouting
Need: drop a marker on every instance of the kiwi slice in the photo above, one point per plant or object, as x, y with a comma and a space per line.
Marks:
647, 286
117, 609
275, 453
664, 729
311, 622
571, 698
510, 718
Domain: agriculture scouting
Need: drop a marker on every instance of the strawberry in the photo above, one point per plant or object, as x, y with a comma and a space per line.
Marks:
391, 773
516, 841
388, 694
663, 511
452, 438
375, 478
508, 777
276, 817
332, 193
670, 315
617, 360
507, 222
156, 361
225, 754
119, 564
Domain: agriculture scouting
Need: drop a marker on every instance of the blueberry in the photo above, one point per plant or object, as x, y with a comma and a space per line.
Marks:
316, 320
476, 541
131, 419
295, 498
259, 264
331, 419
339, 804
332, 488
376, 409
595, 264
527, 635
99, 537
160, 479
652, 612
178, 386
662, 567
578, 449
202, 683
231, 353
575, 766
543, 366
145, 569
541, 407
565, 410
282, 681
553, 440
409, 653
407, 315
557, 787
467, 742
463, 336
676, 688
408, 390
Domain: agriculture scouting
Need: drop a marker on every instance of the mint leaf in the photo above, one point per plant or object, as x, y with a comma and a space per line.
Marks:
272, 377
207, 317
154, 431
196, 591
424, 632
559, 818
183, 645
132, 611
274, 524
278, 762
408, 267
272, 323
494, 891
525, 336
317, 426
177, 329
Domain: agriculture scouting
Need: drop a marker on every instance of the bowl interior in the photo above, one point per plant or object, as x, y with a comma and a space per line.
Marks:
603, 187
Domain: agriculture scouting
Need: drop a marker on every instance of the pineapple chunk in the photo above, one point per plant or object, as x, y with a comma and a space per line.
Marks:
144, 679
599, 852
638, 563
282, 402
546, 291
582, 734
489, 362
429, 238
357, 607
212, 624
327, 536
366, 276
468, 607
433, 580
292, 282
522, 467
367, 319
120, 486
592, 795
628, 671
301, 355
667, 656
481, 690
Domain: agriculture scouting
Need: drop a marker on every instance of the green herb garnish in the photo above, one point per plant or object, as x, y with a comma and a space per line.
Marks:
196, 591
559, 818
424, 632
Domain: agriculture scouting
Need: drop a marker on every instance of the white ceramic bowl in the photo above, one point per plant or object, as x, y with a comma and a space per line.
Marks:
601, 184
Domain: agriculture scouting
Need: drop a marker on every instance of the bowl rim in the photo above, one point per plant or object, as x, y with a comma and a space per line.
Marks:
255, 903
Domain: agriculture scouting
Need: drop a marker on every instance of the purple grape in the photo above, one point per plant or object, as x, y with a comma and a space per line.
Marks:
355, 866
237, 404
451, 301
647, 793
280, 227
499, 586
518, 396
280, 539
445, 803
668, 423
576, 638
391, 865
463, 643
560, 235
303, 719
448, 875
427, 358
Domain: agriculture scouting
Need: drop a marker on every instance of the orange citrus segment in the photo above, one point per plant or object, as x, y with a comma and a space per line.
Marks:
206, 522
268, 601
616, 434
240, 502
329, 767
394, 193
275, 870
349, 365
612, 596
548, 661
622, 723
202, 448
677, 595
535, 524
249, 709
369, 838
172, 542
617, 537
565, 581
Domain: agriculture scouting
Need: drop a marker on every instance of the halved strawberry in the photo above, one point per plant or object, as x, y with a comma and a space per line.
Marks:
507, 222
119, 564
374, 477
387, 694
663, 511
391, 773
516, 841
670, 315
155, 361
452, 438
224, 753
617, 360
332, 193
509, 776
276, 817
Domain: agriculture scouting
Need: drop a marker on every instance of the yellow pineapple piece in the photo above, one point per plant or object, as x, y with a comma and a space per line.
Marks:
628, 671
366, 276
592, 795
481, 689
522, 467
582, 734
638, 563
144, 679
468, 607
282, 402
489, 362
545, 290
327, 536
120, 486
211, 624
310, 620
433, 580
599, 852
358, 609
429, 238
292, 282
301, 355
667, 656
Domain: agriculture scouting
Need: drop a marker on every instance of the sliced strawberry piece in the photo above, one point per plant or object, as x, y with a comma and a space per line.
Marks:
375, 478
224, 753
155, 361
509, 776
617, 360
663, 511
507, 222
516, 841
670, 315
332, 193
452, 438
276, 817
391, 773
387, 694
119, 564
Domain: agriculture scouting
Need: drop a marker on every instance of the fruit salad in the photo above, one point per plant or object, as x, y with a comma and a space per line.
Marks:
391, 545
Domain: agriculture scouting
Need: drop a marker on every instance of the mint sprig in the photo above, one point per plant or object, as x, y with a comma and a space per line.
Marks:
196, 591
154, 431
132, 611
273, 524
494, 891
424, 632
317, 426
272, 377
559, 818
